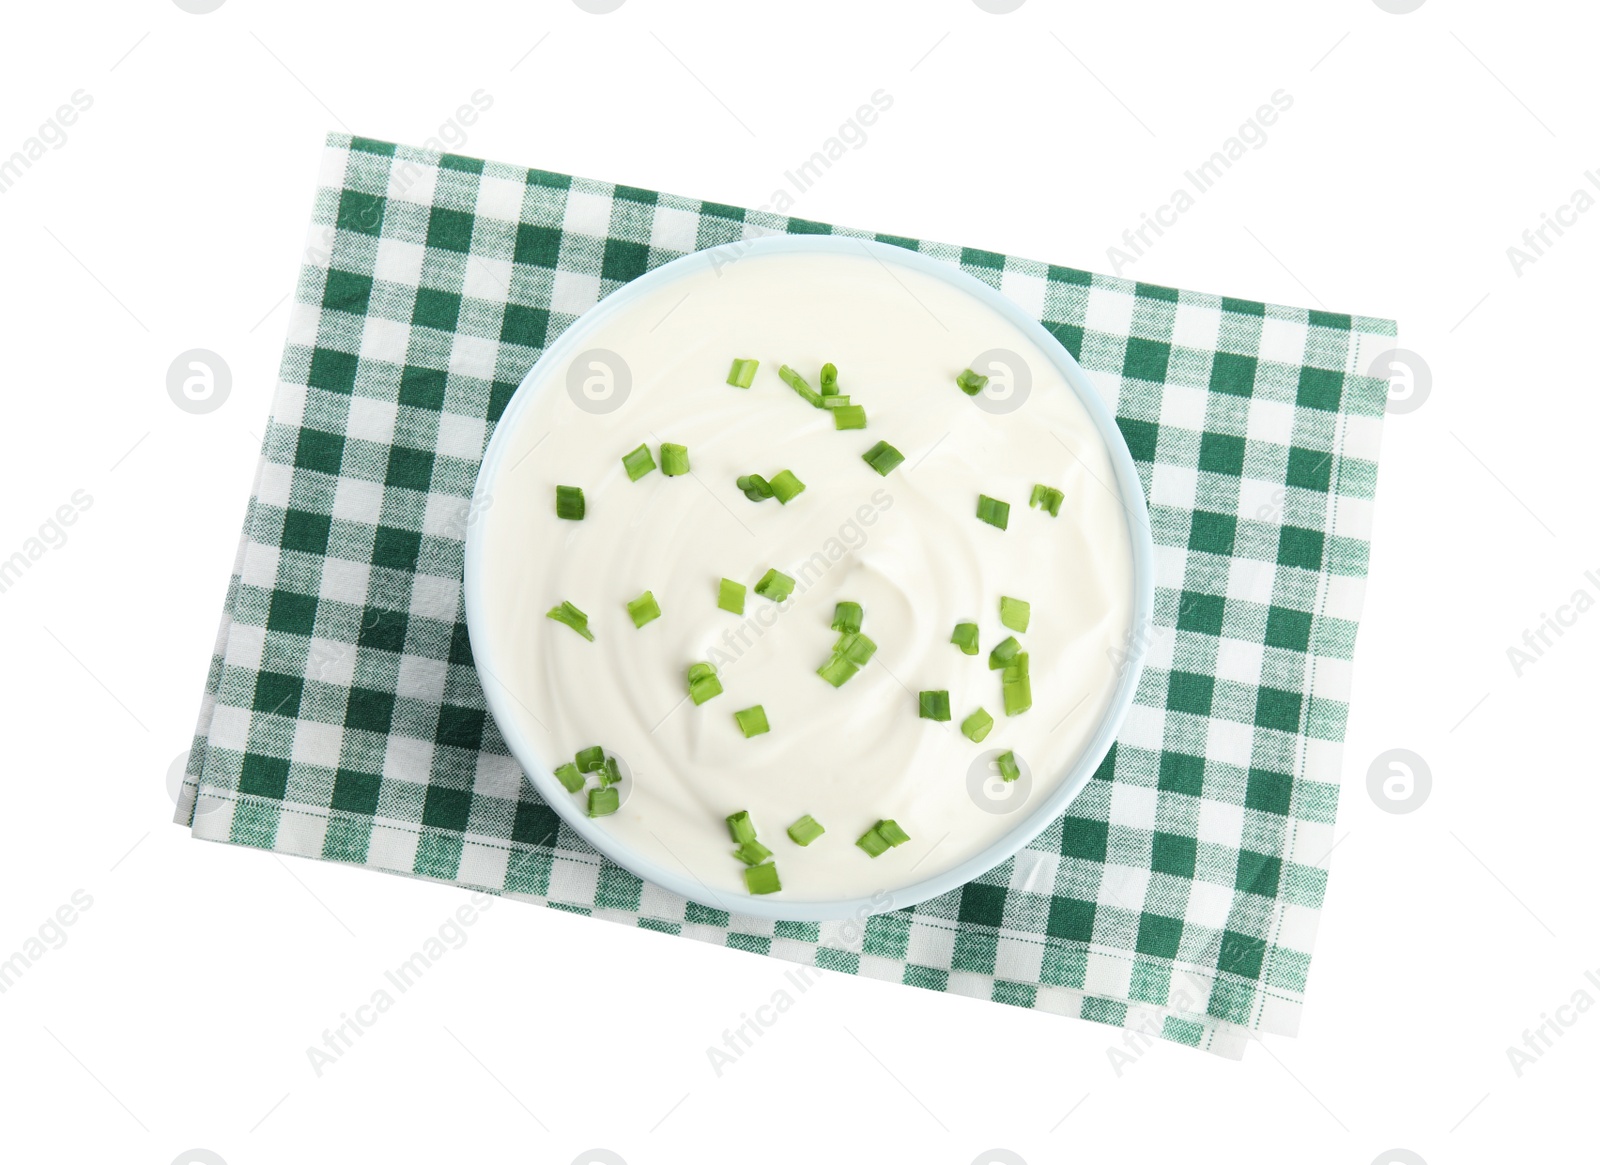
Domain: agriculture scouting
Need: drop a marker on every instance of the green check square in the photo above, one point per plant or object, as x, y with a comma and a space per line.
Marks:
396, 549
1212, 533
319, 451
362, 213
1181, 773
1202, 613
1070, 918
1233, 374
332, 371
291, 613
1146, 360
264, 776
527, 326
1159, 936
1268, 791
355, 792
624, 261
1141, 436
1309, 469
382, 629
1190, 692
460, 727
1278, 709
1222, 453
422, 388
1300, 547
278, 694
436, 309
347, 291
1241, 954
1258, 873
369, 710
538, 245
450, 230
982, 904
306, 532
446, 808
972, 257
1288, 628
1319, 388
409, 468
1173, 853
535, 824
1083, 837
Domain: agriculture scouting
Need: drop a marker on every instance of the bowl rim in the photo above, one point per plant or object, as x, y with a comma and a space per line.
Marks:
1032, 821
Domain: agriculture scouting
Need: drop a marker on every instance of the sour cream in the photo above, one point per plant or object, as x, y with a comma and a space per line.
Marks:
907, 547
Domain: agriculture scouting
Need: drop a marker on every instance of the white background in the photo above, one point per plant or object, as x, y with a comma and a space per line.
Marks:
177, 1013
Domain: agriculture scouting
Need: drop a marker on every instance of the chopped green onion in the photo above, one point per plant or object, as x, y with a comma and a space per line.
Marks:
1014, 613
830, 380
850, 417
855, 647
976, 726
805, 831
674, 459
1006, 762
755, 487
743, 373
797, 382
965, 637
572, 617
1003, 652
883, 457
970, 382
889, 829
1015, 686
1049, 499
762, 879
933, 705
837, 670
638, 463
569, 776
730, 596
872, 842
786, 486
882, 836
569, 503
996, 513
591, 760
643, 609
740, 827
847, 617
703, 683
835, 402
610, 774
753, 721
752, 853
603, 802
775, 585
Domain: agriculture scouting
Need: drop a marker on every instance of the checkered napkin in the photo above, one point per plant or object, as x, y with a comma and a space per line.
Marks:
343, 719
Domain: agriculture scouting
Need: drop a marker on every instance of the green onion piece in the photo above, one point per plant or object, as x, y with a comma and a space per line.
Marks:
569, 503
743, 373
610, 774
890, 831
1049, 499
855, 647
1014, 613
805, 831
872, 842
703, 682
786, 486
1015, 687
847, 617
837, 670
850, 417
883, 457
730, 596
752, 853
775, 585
976, 726
965, 637
740, 827
572, 617
753, 721
643, 609
569, 776
835, 402
591, 760
638, 463
933, 705
996, 513
1006, 762
762, 879
830, 380
755, 487
1003, 652
674, 459
603, 802
970, 382
797, 382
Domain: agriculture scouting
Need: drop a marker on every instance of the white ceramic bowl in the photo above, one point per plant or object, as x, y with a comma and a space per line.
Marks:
545, 376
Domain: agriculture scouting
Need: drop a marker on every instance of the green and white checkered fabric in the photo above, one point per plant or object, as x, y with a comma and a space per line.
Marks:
343, 719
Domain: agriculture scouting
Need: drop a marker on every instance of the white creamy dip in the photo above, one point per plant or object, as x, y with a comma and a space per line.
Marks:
907, 547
